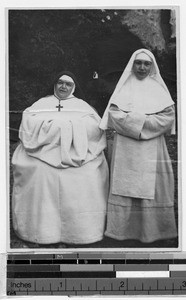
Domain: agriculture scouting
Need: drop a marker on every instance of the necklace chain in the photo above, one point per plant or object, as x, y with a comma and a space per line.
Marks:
64, 99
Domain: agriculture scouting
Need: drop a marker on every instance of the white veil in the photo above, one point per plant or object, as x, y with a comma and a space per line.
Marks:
149, 95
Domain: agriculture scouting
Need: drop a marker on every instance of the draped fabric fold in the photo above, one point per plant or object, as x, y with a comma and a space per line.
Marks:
61, 138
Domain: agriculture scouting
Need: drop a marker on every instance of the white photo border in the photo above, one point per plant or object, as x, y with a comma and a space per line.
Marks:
88, 249
3, 176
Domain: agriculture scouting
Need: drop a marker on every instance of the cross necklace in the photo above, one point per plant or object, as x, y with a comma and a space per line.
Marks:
59, 106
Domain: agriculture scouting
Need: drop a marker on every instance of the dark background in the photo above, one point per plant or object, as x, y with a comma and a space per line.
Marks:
45, 42
42, 43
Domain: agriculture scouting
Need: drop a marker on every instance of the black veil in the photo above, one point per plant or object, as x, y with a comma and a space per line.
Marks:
77, 92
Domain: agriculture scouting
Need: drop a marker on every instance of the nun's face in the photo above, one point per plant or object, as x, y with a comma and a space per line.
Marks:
141, 68
63, 88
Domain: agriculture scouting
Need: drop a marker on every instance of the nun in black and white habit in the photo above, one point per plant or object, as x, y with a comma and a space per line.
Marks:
141, 112
60, 173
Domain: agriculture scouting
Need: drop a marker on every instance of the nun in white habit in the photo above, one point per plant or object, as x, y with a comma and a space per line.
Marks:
141, 112
60, 172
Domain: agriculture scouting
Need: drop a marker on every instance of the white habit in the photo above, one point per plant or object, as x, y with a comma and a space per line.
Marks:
141, 199
60, 174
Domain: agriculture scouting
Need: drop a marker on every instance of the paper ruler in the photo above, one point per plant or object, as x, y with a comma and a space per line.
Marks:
96, 273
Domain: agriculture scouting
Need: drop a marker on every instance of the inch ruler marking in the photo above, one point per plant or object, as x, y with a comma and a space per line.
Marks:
68, 285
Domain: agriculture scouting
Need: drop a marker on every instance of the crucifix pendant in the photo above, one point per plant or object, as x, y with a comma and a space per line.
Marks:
59, 107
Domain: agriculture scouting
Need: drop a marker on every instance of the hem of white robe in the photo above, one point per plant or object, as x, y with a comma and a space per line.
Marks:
122, 238
62, 240
149, 201
112, 229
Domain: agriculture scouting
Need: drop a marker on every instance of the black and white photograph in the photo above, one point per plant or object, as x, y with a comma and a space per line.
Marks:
93, 119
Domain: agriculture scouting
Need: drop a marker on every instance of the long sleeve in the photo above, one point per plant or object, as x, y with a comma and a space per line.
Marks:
140, 126
158, 124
